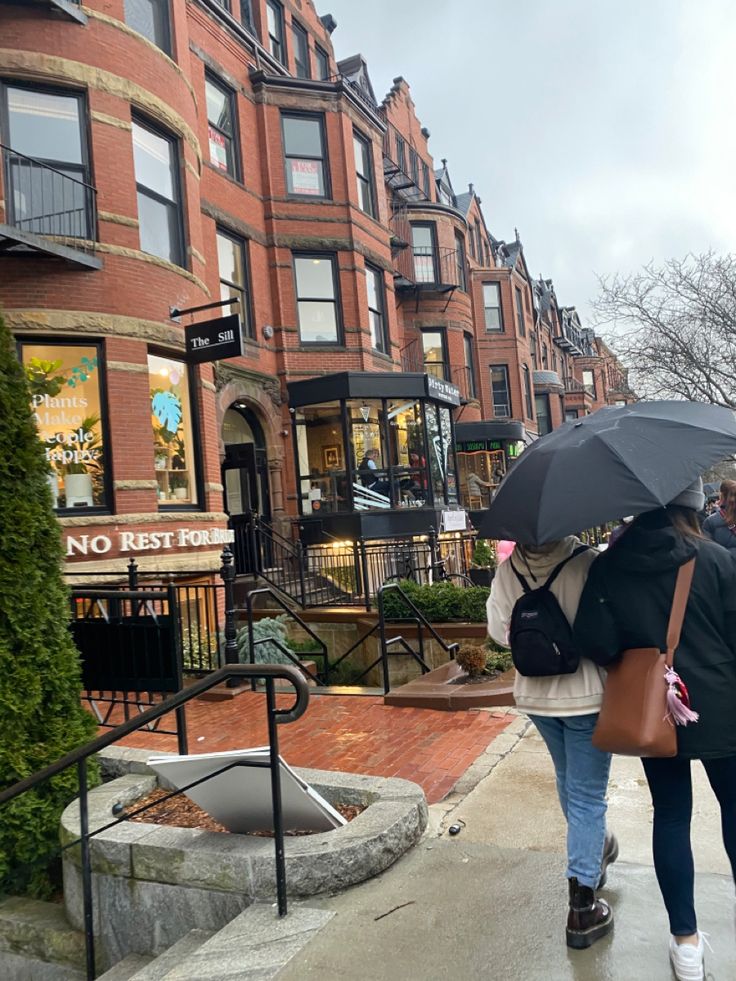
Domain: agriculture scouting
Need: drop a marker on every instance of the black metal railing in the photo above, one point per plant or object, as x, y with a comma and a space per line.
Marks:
78, 758
350, 573
402, 165
200, 610
45, 200
405, 649
322, 675
573, 386
429, 267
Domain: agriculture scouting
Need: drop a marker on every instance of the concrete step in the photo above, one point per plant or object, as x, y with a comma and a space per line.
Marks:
37, 942
178, 954
256, 945
129, 967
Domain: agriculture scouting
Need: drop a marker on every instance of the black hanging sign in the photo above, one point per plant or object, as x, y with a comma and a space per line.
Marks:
213, 340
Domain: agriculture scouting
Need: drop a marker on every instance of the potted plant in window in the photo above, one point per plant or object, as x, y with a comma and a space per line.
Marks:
83, 474
483, 563
179, 484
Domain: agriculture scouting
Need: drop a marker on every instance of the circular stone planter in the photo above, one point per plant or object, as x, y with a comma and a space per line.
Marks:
152, 883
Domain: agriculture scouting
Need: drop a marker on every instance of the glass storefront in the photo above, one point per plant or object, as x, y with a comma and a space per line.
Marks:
374, 454
67, 404
173, 438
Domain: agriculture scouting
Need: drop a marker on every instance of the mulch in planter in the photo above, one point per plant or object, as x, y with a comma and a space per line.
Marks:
181, 812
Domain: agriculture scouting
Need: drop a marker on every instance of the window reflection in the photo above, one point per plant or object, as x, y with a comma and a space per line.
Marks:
480, 472
322, 475
406, 435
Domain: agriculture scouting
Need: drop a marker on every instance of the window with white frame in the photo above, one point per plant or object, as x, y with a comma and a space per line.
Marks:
317, 298
155, 159
492, 306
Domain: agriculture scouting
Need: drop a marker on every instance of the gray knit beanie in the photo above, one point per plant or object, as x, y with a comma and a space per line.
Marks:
692, 497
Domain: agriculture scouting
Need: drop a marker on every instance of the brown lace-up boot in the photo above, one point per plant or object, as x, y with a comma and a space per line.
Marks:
589, 918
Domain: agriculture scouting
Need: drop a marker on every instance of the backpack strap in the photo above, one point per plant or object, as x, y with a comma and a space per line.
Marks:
679, 603
558, 568
553, 575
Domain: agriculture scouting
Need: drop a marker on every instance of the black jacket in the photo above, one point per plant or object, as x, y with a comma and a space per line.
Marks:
715, 527
626, 603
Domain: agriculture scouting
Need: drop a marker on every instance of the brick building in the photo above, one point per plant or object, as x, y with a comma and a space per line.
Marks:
160, 157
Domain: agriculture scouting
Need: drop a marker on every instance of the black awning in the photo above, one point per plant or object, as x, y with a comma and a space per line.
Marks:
371, 385
469, 432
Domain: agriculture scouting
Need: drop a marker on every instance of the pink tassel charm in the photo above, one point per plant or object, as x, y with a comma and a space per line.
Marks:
678, 699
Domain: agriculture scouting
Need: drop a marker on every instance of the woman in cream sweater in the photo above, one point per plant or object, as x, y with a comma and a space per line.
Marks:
564, 709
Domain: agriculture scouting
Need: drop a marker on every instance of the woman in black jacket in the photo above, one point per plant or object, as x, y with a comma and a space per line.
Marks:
721, 525
626, 604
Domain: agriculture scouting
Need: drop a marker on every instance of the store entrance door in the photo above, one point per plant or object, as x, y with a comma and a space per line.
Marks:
245, 479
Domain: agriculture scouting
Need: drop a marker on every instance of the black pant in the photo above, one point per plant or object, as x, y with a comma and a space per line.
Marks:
672, 796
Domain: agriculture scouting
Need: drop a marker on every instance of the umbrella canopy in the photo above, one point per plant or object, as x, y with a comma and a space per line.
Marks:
614, 462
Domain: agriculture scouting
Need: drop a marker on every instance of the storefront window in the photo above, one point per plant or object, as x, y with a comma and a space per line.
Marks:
173, 434
407, 454
448, 455
436, 455
370, 473
323, 480
64, 380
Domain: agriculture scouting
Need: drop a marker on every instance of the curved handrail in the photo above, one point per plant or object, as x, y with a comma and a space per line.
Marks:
449, 648
176, 701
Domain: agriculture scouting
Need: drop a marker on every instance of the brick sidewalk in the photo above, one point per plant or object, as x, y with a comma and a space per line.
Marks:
340, 732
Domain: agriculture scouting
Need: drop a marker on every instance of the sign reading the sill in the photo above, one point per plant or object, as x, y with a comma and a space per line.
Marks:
214, 340
454, 520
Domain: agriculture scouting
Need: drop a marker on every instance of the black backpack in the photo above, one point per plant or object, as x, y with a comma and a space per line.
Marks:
540, 635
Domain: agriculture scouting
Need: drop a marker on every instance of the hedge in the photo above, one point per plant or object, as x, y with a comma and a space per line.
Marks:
440, 602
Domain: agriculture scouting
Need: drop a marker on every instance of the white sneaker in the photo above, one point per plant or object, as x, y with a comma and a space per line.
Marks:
687, 960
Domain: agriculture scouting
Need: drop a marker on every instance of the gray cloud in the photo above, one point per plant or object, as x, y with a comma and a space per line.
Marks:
604, 130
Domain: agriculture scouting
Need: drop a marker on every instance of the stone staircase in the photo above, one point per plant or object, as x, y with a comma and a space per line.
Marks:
38, 944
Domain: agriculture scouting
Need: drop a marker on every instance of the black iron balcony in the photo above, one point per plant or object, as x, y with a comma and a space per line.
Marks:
69, 8
48, 210
570, 340
430, 269
573, 386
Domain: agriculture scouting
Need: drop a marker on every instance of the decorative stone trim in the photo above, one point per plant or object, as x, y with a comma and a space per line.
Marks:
146, 518
76, 322
102, 117
127, 366
118, 219
136, 484
215, 488
208, 386
197, 254
154, 261
192, 170
34, 63
120, 25
206, 563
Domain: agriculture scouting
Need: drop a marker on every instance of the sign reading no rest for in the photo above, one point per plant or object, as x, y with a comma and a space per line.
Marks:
147, 541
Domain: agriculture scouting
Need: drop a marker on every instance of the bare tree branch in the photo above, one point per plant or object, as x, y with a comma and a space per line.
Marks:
674, 327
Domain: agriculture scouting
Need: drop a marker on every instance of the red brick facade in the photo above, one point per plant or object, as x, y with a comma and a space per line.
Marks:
125, 305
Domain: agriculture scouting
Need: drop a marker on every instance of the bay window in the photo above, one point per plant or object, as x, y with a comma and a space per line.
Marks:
232, 265
157, 182
317, 298
151, 19
364, 174
376, 308
222, 127
304, 155
492, 306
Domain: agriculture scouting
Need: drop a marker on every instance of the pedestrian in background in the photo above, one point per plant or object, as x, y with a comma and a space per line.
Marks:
564, 708
626, 604
720, 526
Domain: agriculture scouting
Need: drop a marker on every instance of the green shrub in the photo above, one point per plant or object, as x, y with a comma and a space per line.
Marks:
484, 555
41, 716
308, 646
440, 602
498, 660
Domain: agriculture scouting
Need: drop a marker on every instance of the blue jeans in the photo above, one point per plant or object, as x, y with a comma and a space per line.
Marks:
672, 797
582, 780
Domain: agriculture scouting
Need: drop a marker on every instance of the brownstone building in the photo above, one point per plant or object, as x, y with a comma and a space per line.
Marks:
160, 158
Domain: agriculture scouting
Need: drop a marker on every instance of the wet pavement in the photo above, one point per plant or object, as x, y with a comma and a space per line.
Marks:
490, 903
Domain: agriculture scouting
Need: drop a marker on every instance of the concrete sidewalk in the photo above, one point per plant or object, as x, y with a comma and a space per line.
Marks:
491, 902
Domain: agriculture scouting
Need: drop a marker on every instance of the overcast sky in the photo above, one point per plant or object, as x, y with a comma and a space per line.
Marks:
605, 130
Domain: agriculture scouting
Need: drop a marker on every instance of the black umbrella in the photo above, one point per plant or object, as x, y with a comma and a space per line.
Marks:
614, 462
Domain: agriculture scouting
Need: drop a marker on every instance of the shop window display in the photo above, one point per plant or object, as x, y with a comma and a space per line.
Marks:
323, 477
480, 471
66, 402
173, 439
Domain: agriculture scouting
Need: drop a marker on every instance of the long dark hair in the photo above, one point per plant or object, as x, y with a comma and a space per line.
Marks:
684, 520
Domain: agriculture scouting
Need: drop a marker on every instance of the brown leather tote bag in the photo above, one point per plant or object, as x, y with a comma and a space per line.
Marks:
634, 719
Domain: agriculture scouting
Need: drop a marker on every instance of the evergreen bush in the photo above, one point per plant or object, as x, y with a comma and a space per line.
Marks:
41, 716
268, 629
440, 602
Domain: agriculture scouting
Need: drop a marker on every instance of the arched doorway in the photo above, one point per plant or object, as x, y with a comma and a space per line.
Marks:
245, 467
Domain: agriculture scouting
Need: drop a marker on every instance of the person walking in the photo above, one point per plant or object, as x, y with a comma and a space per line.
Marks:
626, 604
564, 708
720, 526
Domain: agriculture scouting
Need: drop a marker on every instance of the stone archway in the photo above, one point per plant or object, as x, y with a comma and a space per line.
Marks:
260, 395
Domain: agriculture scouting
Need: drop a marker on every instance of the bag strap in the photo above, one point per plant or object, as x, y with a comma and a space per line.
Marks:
679, 604
552, 576
560, 566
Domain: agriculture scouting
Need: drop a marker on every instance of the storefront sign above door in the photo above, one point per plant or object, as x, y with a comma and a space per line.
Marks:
145, 541
444, 391
214, 340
